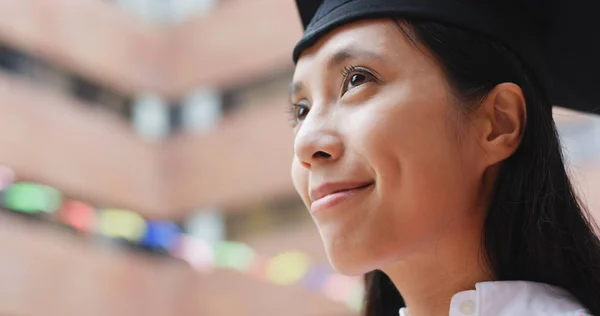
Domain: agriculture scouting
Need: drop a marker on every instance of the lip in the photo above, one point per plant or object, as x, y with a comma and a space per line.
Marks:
330, 194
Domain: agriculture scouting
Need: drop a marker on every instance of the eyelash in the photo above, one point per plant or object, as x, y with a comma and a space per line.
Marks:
347, 71
292, 110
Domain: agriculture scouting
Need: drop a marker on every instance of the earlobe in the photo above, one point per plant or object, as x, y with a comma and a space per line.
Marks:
504, 110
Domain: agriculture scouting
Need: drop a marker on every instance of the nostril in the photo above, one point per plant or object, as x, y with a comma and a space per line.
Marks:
321, 154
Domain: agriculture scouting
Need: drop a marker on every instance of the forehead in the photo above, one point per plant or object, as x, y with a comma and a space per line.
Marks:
370, 37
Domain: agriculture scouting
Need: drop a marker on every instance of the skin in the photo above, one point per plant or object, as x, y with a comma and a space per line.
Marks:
392, 123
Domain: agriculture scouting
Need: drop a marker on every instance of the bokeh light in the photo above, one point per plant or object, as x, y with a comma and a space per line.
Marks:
32, 198
288, 267
78, 215
234, 255
122, 224
161, 235
198, 253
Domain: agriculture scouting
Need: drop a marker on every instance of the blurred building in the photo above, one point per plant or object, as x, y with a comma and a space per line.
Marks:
174, 109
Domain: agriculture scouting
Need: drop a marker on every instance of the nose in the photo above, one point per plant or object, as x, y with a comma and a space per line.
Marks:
317, 143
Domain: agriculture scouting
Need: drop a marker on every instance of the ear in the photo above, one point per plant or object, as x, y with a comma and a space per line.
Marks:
501, 121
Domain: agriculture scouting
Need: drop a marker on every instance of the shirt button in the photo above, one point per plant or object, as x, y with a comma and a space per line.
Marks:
467, 307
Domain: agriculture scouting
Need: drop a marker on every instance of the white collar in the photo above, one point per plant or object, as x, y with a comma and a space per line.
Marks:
509, 298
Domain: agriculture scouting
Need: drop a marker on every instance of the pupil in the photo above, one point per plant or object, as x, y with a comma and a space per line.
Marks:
302, 111
356, 79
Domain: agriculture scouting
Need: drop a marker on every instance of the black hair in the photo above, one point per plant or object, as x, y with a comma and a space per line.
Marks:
535, 229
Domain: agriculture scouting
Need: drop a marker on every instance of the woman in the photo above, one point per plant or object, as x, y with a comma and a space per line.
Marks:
426, 152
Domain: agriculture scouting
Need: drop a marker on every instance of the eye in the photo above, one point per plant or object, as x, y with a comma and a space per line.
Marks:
301, 112
356, 80
298, 112
354, 77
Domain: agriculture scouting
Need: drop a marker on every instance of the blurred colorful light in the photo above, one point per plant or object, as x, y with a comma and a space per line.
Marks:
78, 215
234, 255
116, 223
32, 198
315, 277
287, 268
161, 234
196, 252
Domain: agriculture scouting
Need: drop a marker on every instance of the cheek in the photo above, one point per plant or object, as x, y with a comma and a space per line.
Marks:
424, 178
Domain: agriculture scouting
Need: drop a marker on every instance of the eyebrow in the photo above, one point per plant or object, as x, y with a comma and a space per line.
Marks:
351, 53
295, 87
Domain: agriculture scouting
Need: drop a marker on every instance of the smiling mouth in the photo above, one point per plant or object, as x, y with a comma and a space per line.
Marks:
351, 189
336, 197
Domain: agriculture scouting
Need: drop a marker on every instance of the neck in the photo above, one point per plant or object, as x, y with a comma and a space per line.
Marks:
428, 280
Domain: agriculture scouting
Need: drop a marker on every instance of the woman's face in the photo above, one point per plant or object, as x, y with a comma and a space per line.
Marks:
383, 159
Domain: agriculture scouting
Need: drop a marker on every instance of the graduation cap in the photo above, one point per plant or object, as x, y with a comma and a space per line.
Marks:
559, 39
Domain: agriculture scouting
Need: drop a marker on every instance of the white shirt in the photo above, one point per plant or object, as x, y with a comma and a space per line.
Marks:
513, 298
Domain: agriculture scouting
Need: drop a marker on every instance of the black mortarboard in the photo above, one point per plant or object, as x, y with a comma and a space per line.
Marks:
559, 39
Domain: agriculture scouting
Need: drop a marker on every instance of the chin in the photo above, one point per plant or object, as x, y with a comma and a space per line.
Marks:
349, 250
357, 256
349, 263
